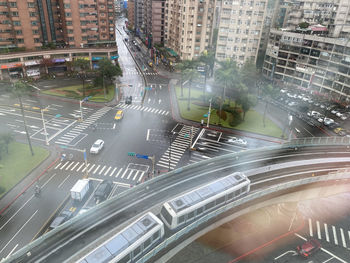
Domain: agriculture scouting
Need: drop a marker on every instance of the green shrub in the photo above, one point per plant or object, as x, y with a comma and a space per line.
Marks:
235, 117
223, 114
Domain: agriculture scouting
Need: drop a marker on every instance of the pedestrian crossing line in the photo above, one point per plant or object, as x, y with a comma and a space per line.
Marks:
166, 160
310, 228
74, 166
64, 165
137, 172
326, 232
163, 165
138, 107
96, 169
349, 234
141, 176
166, 163
342, 237
129, 175
104, 167
152, 110
335, 235
108, 170
124, 173
91, 168
68, 135
86, 167
69, 165
318, 230
120, 170
58, 165
115, 168
80, 167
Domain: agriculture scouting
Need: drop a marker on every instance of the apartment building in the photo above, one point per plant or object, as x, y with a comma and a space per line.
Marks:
139, 17
67, 23
131, 14
189, 26
320, 64
154, 18
240, 29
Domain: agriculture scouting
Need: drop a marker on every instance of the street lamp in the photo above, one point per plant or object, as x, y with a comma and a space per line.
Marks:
171, 141
80, 105
209, 113
44, 125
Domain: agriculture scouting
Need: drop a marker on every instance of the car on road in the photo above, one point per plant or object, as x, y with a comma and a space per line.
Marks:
236, 140
334, 125
119, 115
97, 146
103, 190
63, 217
309, 248
327, 121
128, 100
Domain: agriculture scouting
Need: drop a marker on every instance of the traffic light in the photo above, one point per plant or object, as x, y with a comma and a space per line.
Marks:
131, 154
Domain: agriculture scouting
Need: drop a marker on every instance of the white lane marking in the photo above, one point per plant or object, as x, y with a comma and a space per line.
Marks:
59, 186
64, 165
326, 231
121, 169
104, 167
131, 171
11, 251
137, 172
124, 173
335, 235
91, 168
342, 237
18, 231
147, 137
86, 167
108, 170
74, 166
310, 227
96, 168
318, 230
113, 171
114, 126
69, 165
80, 167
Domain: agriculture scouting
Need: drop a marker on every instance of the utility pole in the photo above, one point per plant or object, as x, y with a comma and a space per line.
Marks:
209, 113
44, 125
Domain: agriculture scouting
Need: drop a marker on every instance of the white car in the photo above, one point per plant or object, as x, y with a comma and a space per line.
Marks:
97, 146
237, 141
327, 121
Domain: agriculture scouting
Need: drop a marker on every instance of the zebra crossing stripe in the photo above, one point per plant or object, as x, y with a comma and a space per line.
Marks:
124, 173
152, 110
326, 231
58, 165
96, 169
163, 165
80, 167
137, 172
310, 227
130, 174
167, 113
91, 168
335, 235
69, 165
121, 169
86, 166
104, 167
108, 170
74, 166
113, 171
342, 237
140, 176
318, 230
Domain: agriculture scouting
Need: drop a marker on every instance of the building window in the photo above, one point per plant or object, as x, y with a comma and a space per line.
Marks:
20, 40
68, 6
14, 13
32, 14
69, 23
12, 4
36, 40
16, 23
34, 23
35, 32
18, 32
68, 14
71, 39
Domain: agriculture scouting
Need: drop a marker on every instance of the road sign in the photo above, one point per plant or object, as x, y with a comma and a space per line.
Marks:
131, 154
142, 156
84, 155
205, 115
186, 136
63, 146
148, 88
58, 115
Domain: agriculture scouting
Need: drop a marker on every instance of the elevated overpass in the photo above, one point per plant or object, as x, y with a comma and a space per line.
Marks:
273, 171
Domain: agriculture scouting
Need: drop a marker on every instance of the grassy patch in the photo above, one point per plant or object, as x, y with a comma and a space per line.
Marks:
18, 163
76, 92
253, 121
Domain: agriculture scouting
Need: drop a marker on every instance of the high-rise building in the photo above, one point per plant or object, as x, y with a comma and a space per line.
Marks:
33, 23
189, 26
154, 11
240, 28
139, 17
131, 14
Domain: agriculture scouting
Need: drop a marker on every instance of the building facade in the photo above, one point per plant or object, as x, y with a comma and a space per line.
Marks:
131, 14
32, 24
189, 26
320, 64
240, 29
154, 11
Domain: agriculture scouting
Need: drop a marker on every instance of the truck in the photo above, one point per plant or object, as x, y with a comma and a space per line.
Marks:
80, 189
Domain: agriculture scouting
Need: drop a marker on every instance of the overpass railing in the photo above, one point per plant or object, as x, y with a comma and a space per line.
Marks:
336, 140
342, 174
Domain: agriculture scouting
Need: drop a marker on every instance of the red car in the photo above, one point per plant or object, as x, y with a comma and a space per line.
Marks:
308, 248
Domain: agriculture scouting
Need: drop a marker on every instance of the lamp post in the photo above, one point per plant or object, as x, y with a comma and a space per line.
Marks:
44, 125
209, 113
171, 141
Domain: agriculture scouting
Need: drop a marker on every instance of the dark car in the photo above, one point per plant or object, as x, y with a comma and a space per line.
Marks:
61, 218
308, 248
128, 100
103, 190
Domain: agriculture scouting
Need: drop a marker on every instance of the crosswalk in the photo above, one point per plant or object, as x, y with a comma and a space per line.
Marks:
144, 109
137, 73
197, 157
75, 135
128, 174
177, 148
330, 233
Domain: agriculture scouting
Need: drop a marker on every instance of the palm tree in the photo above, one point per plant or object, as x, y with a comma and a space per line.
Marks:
19, 89
183, 66
84, 66
208, 58
190, 75
249, 74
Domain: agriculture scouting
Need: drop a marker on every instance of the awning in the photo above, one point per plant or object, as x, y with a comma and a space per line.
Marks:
171, 52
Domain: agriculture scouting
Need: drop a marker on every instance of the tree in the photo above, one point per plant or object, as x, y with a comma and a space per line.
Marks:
107, 70
246, 102
7, 138
190, 75
268, 91
19, 89
183, 66
83, 68
208, 58
249, 74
